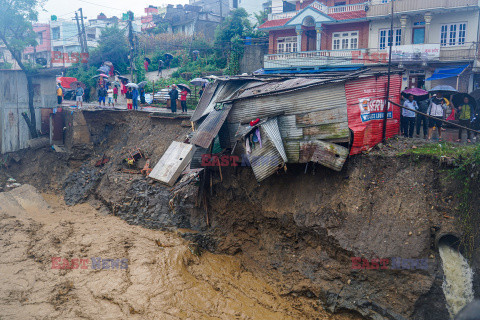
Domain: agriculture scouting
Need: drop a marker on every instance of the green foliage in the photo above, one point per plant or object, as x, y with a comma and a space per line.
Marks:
236, 24
443, 149
112, 47
6, 65
139, 69
230, 35
16, 31
83, 75
261, 17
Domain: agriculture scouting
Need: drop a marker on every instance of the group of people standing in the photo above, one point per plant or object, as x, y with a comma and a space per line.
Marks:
435, 107
173, 94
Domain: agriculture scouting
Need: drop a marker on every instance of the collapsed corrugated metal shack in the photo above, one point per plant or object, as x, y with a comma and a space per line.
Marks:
277, 120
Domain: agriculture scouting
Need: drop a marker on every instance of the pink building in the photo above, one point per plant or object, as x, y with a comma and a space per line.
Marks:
43, 48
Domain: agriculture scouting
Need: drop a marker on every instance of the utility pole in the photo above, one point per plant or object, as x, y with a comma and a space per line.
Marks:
85, 45
221, 10
80, 37
390, 45
130, 41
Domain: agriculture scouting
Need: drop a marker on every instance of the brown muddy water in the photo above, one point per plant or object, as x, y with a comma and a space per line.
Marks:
165, 278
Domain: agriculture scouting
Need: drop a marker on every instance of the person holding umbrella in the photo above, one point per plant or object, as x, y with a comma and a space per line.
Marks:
128, 96
183, 100
102, 93
409, 116
135, 98
437, 108
465, 118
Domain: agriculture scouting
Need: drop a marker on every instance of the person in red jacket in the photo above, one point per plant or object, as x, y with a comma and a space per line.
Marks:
183, 100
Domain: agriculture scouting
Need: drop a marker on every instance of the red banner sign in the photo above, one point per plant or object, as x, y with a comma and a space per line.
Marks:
365, 107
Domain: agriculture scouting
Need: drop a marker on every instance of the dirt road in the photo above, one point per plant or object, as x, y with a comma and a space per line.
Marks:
164, 277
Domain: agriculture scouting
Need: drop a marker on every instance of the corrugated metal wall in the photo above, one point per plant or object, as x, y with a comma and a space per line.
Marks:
303, 115
265, 161
298, 102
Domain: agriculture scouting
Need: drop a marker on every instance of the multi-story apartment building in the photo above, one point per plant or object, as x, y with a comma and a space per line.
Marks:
436, 41
310, 35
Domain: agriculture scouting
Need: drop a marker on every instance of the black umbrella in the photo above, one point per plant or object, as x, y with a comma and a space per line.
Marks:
475, 94
168, 56
458, 100
184, 86
148, 60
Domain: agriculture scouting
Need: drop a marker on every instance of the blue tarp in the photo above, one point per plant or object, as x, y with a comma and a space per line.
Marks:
288, 71
443, 73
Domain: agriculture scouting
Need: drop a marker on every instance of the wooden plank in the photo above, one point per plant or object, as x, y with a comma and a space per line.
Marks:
172, 163
328, 131
328, 154
328, 115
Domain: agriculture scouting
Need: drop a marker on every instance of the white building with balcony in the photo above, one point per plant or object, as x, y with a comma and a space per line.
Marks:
429, 36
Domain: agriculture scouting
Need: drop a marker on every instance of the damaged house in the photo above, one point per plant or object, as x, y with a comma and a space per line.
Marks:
273, 121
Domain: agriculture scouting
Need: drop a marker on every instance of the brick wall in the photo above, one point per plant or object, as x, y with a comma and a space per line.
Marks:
328, 30
274, 34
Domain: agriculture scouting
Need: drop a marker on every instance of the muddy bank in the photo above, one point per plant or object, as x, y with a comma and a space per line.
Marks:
296, 231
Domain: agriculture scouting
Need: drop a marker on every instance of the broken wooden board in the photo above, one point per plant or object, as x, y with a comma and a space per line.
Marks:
172, 163
330, 155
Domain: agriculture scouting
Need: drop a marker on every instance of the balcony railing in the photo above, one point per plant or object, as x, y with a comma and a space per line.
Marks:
321, 7
348, 8
321, 58
404, 6
408, 54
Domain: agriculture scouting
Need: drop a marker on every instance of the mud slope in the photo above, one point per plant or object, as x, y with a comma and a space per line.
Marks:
301, 231
296, 231
165, 278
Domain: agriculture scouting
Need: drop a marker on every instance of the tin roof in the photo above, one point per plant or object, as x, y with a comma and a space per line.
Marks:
208, 130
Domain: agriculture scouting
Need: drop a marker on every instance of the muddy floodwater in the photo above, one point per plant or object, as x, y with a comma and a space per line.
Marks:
151, 274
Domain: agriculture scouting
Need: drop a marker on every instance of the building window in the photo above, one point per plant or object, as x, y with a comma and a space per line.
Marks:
383, 37
345, 40
453, 34
56, 33
286, 44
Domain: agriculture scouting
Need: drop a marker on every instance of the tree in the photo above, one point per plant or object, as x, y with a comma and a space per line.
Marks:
112, 47
16, 32
261, 17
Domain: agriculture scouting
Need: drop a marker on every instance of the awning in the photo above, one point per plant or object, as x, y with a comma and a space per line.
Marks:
444, 73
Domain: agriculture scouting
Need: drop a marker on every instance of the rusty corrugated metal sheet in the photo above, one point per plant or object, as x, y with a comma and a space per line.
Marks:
223, 90
204, 101
297, 102
271, 128
274, 86
330, 155
209, 128
265, 161
292, 149
288, 128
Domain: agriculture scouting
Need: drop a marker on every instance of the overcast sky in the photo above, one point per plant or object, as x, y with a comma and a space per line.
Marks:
91, 8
